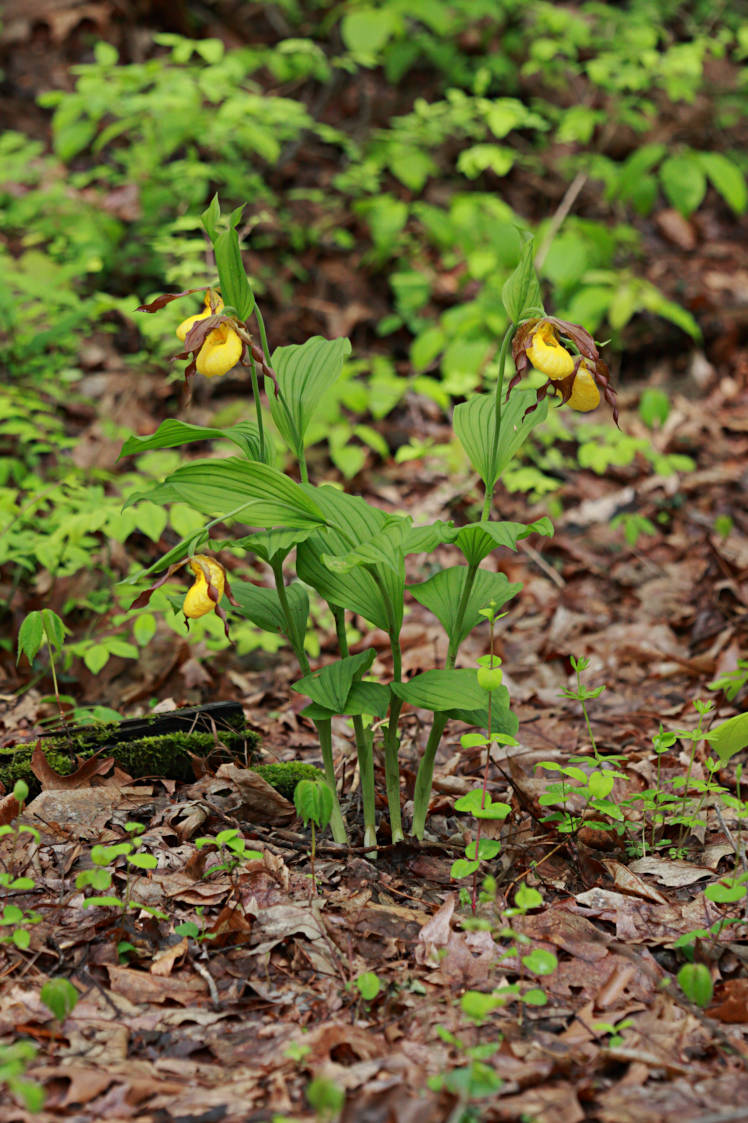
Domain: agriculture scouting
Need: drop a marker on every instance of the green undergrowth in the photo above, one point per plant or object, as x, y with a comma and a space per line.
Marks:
425, 195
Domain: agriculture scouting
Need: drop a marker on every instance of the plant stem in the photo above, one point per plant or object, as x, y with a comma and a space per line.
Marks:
363, 745
298, 442
485, 781
392, 745
322, 725
506, 341
425, 775
258, 406
684, 802
337, 826
589, 730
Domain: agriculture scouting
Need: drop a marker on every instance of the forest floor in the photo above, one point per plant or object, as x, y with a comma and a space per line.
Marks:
261, 1012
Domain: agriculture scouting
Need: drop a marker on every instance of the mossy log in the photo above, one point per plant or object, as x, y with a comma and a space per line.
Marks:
179, 754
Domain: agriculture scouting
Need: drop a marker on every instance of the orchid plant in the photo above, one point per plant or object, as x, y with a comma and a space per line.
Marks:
349, 552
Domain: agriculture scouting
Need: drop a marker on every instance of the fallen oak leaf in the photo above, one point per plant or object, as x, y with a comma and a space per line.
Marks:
51, 780
10, 809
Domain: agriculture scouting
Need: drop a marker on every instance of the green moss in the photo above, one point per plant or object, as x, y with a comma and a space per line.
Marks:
168, 755
285, 776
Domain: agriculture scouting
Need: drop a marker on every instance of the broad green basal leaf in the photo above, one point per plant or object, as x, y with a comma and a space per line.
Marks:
357, 591
442, 594
305, 372
477, 540
263, 608
371, 698
474, 423
259, 494
173, 433
330, 686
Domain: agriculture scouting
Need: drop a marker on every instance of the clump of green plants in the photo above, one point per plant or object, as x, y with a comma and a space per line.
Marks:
352, 554
14, 1060
101, 875
14, 859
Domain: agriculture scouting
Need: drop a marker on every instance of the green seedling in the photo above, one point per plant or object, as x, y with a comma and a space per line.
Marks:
368, 985
732, 682
14, 1060
514, 944
232, 849
43, 626
313, 800
60, 997
696, 983
326, 1098
614, 1032
473, 1080
13, 916
101, 876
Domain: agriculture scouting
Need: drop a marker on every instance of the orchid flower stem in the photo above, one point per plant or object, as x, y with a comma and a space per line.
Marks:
392, 770
337, 826
506, 341
425, 775
258, 405
363, 746
263, 333
392, 744
484, 793
324, 726
298, 443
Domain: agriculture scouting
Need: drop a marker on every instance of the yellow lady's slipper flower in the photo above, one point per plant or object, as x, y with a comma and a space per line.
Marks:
580, 377
546, 353
220, 352
190, 322
210, 577
585, 395
213, 305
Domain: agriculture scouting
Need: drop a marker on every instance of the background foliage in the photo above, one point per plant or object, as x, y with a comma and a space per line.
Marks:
390, 155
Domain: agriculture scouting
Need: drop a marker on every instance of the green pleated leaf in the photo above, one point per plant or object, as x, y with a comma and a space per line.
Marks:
353, 522
371, 698
457, 694
269, 545
502, 718
521, 294
442, 595
261, 495
263, 608
443, 690
305, 372
357, 520
474, 422
313, 799
235, 288
385, 549
172, 434
330, 686
183, 549
356, 591
425, 539
477, 540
